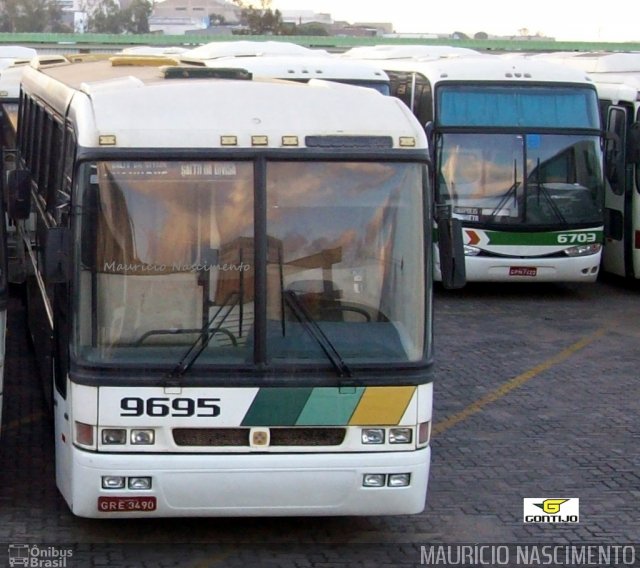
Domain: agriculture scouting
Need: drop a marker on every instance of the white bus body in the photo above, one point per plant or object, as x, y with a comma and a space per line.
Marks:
248, 48
617, 79
243, 324
620, 107
377, 52
303, 69
499, 121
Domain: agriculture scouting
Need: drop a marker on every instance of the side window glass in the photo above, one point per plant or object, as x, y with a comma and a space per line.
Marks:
614, 149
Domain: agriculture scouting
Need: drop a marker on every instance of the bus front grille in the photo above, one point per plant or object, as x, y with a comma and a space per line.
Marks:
240, 436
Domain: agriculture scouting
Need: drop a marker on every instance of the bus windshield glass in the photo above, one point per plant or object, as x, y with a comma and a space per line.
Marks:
167, 252
512, 106
532, 180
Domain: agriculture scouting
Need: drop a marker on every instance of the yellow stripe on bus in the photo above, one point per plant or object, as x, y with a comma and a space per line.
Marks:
382, 406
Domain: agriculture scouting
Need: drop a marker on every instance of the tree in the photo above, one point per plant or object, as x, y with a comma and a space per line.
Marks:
30, 16
106, 17
217, 20
136, 17
262, 20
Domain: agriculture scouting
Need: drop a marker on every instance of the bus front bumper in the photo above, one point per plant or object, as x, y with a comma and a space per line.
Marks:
243, 485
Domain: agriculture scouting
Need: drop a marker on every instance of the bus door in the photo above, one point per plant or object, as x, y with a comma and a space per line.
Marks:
622, 200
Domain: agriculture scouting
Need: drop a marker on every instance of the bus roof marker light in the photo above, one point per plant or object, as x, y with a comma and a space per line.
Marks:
407, 142
228, 140
290, 141
107, 140
259, 140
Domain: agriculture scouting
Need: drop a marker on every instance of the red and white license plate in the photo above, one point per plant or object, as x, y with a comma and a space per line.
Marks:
523, 271
126, 504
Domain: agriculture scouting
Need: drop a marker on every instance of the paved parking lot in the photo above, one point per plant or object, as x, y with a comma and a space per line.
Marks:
537, 391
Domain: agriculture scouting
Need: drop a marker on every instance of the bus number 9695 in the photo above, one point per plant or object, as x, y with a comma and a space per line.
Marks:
177, 407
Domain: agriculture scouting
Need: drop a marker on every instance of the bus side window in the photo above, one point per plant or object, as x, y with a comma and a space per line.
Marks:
614, 149
633, 144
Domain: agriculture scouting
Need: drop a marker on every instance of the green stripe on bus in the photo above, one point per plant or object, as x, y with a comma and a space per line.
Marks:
543, 239
277, 406
330, 406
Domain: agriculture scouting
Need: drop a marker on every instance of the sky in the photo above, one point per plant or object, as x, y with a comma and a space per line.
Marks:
566, 20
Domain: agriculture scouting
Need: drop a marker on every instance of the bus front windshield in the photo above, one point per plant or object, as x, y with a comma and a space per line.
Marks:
166, 260
522, 180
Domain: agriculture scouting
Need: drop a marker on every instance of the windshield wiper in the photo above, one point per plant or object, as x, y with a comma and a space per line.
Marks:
542, 190
206, 334
311, 326
511, 192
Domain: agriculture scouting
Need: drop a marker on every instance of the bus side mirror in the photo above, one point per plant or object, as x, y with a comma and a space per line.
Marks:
56, 248
633, 144
451, 249
18, 194
429, 130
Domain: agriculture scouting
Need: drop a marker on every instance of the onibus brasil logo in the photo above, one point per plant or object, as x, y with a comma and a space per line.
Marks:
555, 510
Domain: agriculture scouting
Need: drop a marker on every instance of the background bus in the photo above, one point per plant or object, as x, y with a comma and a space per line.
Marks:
237, 281
620, 107
302, 68
4, 301
517, 154
617, 79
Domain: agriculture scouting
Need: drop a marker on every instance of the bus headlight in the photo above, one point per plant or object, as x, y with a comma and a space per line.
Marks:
400, 435
374, 480
399, 479
114, 436
113, 482
471, 251
143, 437
139, 483
583, 250
372, 436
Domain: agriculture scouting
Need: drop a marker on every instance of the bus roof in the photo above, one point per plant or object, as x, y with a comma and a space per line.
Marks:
16, 52
597, 61
628, 92
308, 67
10, 81
406, 51
137, 107
489, 68
247, 48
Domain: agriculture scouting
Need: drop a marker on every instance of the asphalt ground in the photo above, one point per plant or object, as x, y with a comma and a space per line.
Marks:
537, 391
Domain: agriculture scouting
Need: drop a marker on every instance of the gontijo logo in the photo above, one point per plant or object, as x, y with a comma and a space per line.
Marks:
555, 510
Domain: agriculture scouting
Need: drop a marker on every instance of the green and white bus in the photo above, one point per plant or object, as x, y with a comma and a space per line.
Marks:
232, 281
517, 153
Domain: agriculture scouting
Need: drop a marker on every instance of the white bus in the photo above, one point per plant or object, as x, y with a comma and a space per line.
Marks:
517, 155
303, 69
9, 91
617, 79
4, 301
236, 284
620, 107
250, 48
406, 51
